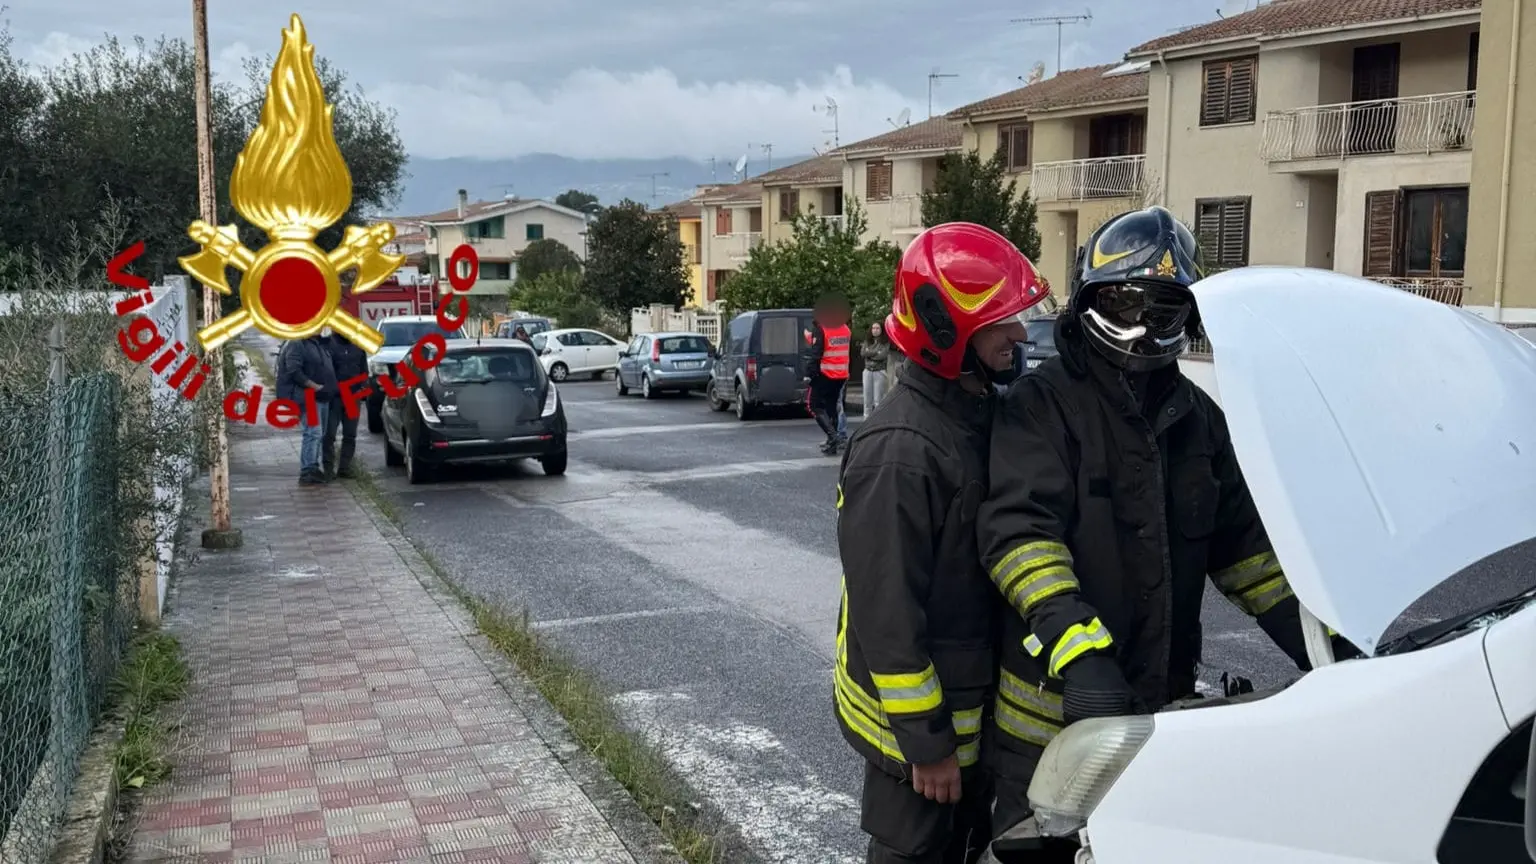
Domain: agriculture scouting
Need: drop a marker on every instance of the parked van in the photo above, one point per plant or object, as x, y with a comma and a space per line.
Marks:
761, 362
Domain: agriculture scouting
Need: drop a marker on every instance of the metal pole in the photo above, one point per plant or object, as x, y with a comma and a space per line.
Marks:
1058, 46
221, 535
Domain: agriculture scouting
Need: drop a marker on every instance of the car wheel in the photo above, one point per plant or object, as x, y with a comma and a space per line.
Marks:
744, 410
618, 384
715, 402
645, 388
415, 471
559, 372
554, 463
375, 417
392, 457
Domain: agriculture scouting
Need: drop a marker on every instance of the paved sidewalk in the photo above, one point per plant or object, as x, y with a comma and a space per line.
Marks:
337, 711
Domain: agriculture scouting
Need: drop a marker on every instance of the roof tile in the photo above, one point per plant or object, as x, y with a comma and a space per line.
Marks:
935, 133
816, 171
1282, 17
1071, 88
749, 192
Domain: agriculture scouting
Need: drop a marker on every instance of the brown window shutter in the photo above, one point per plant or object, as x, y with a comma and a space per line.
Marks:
1208, 226
1138, 134
877, 177
1234, 233
1383, 232
1213, 102
709, 287
1242, 91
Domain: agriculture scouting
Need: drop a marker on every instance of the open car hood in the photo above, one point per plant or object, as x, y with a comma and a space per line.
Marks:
1388, 440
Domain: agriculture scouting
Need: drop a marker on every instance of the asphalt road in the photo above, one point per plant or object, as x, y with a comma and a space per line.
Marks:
689, 560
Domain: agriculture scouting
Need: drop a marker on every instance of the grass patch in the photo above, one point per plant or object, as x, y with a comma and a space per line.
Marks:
699, 835
153, 676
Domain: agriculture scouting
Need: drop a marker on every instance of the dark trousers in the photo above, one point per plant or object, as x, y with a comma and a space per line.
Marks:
337, 416
906, 828
826, 396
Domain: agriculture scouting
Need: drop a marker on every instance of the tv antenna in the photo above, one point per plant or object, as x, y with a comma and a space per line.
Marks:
506, 189
830, 109
902, 119
768, 153
741, 167
712, 168
653, 175
1057, 21
932, 77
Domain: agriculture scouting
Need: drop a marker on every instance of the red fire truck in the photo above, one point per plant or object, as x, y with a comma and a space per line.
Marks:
405, 293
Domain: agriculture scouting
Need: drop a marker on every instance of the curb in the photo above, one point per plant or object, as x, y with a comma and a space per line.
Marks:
87, 824
639, 834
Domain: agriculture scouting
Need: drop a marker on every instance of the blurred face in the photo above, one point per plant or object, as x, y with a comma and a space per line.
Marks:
875, 330
996, 343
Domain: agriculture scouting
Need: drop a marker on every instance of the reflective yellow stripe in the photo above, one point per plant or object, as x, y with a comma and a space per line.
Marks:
968, 754
1034, 572
1262, 597
1021, 724
1246, 573
1032, 645
1031, 696
864, 727
967, 721
909, 692
839, 496
1078, 640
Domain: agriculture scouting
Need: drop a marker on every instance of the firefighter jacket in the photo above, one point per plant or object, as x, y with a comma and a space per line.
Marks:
829, 349
1107, 513
919, 618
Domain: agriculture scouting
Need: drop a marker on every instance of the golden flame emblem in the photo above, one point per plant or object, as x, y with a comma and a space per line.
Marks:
1166, 267
291, 181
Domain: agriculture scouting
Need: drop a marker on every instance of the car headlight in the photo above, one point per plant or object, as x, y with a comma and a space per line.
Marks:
1080, 766
378, 368
551, 400
427, 412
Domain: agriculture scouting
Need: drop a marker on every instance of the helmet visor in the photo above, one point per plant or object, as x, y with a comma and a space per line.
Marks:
1039, 309
1155, 310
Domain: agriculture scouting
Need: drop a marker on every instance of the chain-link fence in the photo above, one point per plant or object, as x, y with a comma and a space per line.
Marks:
68, 603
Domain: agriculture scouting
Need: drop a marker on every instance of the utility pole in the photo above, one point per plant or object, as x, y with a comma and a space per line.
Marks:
932, 77
1057, 21
653, 175
222, 535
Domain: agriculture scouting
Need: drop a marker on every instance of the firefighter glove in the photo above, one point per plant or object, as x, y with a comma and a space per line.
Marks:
1095, 687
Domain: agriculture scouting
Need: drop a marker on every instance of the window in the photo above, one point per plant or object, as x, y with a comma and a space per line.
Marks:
594, 339
789, 205
635, 347
534, 231
1435, 232
740, 332
570, 340
755, 220
877, 181
401, 333
1117, 135
487, 229
1230, 94
539, 341
837, 202
780, 336
684, 345
1472, 63
1223, 224
495, 270
1013, 141
722, 221
485, 367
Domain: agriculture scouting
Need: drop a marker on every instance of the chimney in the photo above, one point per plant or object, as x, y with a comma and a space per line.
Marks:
463, 202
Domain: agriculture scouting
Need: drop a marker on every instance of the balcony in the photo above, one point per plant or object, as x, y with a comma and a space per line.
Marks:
904, 214
1085, 179
1442, 290
1438, 123
741, 245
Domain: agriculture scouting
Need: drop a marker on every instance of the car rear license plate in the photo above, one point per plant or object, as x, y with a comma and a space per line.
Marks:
691, 364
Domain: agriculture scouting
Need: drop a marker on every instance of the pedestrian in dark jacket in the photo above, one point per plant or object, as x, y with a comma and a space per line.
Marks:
349, 361
829, 344
1115, 494
306, 365
917, 631
874, 352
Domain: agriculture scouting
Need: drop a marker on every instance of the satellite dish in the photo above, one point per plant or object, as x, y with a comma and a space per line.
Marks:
904, 117
1036, 73
741, 164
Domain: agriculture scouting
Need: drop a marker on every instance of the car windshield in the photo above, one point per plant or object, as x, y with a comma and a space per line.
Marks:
401, 333
1042, 333
684, 345
539, 340
532, 327
484, 367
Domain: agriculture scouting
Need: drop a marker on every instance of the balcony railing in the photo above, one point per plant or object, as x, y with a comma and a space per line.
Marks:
833, 222
1415, 124
1444, 290
1083, 179
741, 245
904, 213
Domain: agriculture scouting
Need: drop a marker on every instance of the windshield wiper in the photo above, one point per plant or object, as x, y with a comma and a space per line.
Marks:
483, 379
1430, 634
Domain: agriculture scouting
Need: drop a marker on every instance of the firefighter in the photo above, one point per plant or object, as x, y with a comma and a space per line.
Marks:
1115, 493
829, 343
918, 625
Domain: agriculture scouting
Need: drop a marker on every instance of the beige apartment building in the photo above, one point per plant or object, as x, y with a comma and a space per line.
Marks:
1501, 256
813, 186
731, 226
1324, 133
889, 173
499, 231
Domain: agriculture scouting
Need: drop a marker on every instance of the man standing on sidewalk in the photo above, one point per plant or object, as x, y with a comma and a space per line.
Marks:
306, 365
349, 361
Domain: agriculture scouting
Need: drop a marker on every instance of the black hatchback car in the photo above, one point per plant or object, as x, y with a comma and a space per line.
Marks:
487, 400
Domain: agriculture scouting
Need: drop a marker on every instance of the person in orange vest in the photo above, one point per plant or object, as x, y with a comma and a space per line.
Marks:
829, 347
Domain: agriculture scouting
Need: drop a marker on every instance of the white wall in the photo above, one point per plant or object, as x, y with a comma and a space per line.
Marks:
1203, 373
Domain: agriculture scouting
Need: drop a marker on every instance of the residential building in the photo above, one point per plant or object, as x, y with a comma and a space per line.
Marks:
1325, 133
1502, 221
1076, 141
889, 173
813, 186
499, 231
689, 215
731, 219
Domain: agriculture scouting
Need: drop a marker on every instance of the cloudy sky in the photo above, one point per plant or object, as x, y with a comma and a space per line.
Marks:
607, 79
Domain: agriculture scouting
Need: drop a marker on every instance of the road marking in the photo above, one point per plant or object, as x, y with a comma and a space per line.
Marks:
738, 469
705, 426
563, 623
726, 763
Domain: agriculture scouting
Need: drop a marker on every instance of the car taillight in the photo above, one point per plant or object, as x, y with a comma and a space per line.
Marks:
655, 351
547, 351
751, 369
551, 401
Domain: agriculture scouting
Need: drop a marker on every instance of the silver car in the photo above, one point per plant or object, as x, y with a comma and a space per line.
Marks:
656, 362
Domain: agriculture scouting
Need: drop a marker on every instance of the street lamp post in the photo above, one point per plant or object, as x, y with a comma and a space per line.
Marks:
221, 535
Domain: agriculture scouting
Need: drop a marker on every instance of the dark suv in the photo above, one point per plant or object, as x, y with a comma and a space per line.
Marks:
761, 362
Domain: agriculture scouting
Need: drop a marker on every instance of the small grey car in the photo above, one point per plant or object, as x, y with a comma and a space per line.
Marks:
657, 362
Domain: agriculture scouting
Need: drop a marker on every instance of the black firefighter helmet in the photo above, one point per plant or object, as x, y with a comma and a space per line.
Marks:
1131, 289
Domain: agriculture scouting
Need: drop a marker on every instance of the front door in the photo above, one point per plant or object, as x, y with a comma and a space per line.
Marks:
573, 350
1372, 114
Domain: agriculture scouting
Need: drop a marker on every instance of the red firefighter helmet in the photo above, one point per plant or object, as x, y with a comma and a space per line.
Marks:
953, 280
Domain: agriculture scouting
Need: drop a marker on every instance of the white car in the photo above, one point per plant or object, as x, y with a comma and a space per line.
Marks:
1381, 470
577, 352
400, 334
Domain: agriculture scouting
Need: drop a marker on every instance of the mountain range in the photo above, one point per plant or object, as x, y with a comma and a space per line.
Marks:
432, 185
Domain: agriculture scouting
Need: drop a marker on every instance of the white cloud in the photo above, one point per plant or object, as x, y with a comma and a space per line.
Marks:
594, 114
57, 47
